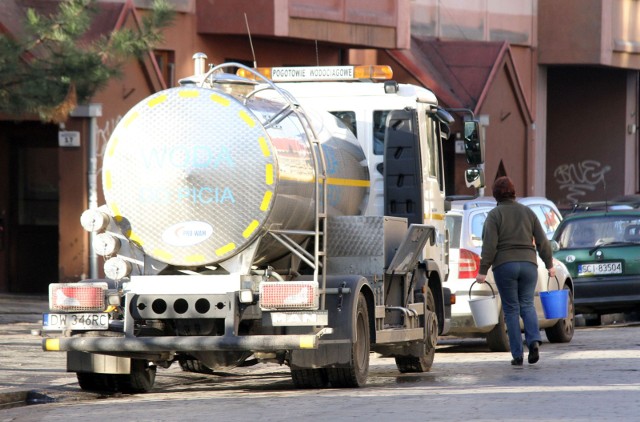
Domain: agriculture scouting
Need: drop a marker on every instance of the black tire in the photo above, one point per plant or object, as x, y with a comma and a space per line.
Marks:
90, 381
310, 378
497, 338
423, 362
355, 375
562, 331
140, 380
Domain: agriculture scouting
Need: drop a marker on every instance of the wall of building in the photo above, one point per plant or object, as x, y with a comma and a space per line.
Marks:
586, 132
506, 134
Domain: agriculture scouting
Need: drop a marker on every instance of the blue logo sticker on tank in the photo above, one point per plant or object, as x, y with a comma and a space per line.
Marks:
188, 156
205, 195
187, 233
331, 160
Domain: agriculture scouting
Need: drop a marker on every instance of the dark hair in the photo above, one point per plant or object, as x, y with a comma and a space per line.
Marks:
503, 189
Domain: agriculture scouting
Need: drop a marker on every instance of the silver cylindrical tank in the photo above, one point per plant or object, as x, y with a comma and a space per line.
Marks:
193, 176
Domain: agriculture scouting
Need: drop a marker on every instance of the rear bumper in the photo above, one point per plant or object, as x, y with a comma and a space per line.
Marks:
602, 294
123, 345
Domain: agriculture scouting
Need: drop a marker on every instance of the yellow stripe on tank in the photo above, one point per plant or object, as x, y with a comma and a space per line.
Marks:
220, 100
134, 237
131, 118
269, 174
247, 119
158, 100
115, 211
359, 183
348, 182
250, 229
189, 93
107, 180
226, 248
266, 200
112, 146
264, 147
194, 258
162, 254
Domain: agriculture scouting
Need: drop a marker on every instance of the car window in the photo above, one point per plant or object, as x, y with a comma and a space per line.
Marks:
453, 223
602, 230
476, 225
549, 219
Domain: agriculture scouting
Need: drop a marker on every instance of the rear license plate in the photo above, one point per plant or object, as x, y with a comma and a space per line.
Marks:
59, 322
600, 268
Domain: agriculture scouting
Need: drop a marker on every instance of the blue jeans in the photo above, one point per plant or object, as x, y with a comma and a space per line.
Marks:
516, 282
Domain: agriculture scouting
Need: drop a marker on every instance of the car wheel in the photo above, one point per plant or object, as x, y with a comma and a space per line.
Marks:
497, 338
562, 331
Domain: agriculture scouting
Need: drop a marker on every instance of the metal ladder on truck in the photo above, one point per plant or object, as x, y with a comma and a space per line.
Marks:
318, 260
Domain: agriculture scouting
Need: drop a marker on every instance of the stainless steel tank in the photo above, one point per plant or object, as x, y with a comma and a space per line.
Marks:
194, 177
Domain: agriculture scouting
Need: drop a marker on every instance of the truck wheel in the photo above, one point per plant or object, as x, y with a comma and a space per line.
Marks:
140, 380
90, 381
423, 362
355, 375
562, 331
497, 338
310, 378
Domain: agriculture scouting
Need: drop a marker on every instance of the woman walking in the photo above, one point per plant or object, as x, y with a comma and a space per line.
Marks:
511, 235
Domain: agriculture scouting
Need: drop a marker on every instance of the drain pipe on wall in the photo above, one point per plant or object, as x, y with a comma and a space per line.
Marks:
91, 111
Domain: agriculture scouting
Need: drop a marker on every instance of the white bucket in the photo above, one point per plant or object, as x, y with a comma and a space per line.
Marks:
485, 310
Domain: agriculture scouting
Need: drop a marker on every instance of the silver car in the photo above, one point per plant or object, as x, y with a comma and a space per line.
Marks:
464, 222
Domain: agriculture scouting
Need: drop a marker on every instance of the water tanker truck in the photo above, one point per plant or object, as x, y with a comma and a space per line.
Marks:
289, 215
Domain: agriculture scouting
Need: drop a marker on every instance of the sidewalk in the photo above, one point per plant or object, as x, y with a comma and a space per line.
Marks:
26, 374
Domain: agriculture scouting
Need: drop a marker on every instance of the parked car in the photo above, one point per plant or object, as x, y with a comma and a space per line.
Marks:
601, 250
464, 222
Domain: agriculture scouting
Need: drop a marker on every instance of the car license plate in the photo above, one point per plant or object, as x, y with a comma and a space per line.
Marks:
83, 322
600, 268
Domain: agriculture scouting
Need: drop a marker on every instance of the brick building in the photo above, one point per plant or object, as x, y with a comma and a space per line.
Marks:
554, 82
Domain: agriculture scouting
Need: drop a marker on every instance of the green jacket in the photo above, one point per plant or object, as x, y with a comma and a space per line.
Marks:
512, 232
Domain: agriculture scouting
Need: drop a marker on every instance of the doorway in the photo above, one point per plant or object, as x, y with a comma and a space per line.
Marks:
31, 214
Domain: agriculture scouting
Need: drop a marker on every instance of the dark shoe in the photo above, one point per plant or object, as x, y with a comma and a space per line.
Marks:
516, 361
534, 352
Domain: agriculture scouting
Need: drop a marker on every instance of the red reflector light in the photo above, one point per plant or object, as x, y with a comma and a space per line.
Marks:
77, 296
468, 264
289, 295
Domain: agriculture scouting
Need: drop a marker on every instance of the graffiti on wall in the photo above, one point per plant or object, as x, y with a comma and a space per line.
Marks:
102, 137
577, 179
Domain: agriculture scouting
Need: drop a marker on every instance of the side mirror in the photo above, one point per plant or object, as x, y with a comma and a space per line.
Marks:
473, 144
555, 246
474, 178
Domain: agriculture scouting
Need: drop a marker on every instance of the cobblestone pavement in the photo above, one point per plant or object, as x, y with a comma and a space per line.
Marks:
596, 377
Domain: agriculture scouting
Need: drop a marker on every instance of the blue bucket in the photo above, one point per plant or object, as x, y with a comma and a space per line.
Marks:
555, 303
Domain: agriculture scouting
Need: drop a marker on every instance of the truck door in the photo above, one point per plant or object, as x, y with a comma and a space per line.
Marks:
403, 193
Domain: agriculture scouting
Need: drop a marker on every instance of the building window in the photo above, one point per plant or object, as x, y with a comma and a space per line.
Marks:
167, 64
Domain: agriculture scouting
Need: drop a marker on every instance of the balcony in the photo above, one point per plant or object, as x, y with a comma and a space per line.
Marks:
589, 32
364, 23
